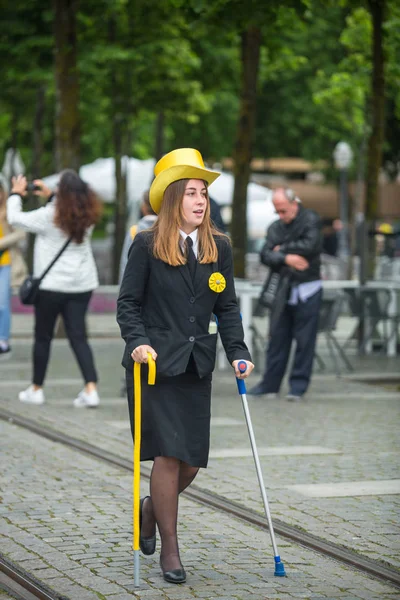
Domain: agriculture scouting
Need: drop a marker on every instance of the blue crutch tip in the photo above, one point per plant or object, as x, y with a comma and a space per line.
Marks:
279, 567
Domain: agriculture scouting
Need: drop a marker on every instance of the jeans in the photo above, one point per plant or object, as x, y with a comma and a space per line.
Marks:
73, 309
5, 302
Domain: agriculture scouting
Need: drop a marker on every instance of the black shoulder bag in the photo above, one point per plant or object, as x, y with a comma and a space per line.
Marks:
277, 286
275, 289
29, 288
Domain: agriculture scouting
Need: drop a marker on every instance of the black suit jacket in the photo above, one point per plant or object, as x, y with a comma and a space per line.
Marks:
161, 306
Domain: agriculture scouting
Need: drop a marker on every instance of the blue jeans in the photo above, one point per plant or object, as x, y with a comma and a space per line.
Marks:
5, 302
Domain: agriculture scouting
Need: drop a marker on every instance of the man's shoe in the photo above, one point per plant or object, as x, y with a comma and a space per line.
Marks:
259, 390
31, 396
147, 545
84, 400
294, 398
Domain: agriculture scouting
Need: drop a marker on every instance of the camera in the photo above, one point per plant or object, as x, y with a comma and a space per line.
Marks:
31, 187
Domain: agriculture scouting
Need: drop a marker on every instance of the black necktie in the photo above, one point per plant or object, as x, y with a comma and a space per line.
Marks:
191, 259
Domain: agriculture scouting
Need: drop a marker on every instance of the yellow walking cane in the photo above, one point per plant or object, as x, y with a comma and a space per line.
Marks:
136, 457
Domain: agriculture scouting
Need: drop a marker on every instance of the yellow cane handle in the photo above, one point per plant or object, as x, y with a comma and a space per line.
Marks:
152, 369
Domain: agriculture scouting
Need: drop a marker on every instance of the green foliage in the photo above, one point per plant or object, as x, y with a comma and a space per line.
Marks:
138, 58
343, 94
392, 46
26, 48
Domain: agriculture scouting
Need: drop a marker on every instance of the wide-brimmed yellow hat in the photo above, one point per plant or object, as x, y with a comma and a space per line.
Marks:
183, 163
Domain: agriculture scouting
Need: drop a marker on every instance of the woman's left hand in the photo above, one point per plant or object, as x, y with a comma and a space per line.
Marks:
19, 184
43, 190
247, 372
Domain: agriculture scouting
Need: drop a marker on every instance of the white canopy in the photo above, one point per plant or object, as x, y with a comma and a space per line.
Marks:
100, 175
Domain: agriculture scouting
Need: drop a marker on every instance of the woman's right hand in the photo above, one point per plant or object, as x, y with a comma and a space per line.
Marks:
19, 184
139, 354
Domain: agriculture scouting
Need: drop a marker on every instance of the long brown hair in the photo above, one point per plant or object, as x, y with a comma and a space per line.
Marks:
170, 219
77, 206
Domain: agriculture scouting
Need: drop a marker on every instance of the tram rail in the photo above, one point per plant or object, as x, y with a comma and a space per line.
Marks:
342, 554
22, 585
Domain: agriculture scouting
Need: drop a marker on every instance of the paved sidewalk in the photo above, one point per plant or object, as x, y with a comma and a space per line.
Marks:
66, 519
105, 325
341, 447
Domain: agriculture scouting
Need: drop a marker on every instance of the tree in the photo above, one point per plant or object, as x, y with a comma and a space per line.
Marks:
375, 142
26, 77
140, 74
242, 153
67, 121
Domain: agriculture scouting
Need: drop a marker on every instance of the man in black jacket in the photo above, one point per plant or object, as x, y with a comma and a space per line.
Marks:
215, 215
293, 244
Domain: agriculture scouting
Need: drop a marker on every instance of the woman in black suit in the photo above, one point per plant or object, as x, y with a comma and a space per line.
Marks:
178, 274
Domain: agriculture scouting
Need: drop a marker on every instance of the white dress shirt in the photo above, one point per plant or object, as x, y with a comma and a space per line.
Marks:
304, 291
195, 238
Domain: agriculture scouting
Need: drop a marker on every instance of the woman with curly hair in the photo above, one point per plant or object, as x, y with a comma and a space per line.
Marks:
70, 214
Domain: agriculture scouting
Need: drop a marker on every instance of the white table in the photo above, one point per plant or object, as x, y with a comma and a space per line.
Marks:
248, 291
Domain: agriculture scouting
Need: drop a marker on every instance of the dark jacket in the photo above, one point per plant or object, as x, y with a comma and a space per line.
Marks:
215, 215
303, 237
161, 306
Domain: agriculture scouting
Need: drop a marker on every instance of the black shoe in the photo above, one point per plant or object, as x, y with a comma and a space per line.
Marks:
175, 575
147, 545
258, 390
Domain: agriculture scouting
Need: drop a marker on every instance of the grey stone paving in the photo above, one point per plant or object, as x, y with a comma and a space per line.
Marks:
66, 518
358, 421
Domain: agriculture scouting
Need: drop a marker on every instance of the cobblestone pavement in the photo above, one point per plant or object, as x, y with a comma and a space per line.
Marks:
346, 432
66, 519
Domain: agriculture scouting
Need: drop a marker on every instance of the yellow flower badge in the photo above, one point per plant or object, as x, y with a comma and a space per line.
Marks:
217, 282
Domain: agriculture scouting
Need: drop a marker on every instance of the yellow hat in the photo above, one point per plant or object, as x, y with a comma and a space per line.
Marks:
183, 163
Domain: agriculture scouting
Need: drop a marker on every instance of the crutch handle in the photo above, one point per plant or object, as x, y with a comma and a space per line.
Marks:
242, 366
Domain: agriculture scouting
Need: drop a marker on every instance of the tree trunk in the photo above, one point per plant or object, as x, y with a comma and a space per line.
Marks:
14, 145
242, 154
67, 123
375, 142
36, 170
120, 198
121, 133
159, 146
38, 133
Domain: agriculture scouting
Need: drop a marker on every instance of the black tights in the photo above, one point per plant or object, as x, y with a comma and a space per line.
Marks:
169, 477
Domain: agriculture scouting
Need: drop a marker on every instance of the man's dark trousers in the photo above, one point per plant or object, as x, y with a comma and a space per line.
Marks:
299, 323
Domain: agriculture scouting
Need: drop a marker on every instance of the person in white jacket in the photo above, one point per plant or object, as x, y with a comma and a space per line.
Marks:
9, 240
70, 214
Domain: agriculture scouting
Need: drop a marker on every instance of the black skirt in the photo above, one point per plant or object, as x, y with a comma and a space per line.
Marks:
175, 416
